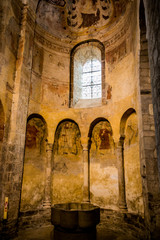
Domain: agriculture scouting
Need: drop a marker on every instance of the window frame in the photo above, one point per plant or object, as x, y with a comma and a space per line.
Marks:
91, 75
99, 45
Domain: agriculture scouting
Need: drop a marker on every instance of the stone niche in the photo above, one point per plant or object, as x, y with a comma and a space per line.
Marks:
67, 164
103, 167
132, 166
34, 165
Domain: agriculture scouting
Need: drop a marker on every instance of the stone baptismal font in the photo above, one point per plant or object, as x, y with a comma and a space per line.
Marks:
75, 221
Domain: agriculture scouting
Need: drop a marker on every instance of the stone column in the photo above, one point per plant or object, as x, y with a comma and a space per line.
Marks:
86, 195
47, 192
121, 176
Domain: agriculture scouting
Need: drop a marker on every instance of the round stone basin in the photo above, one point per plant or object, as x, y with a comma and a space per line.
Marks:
75, 216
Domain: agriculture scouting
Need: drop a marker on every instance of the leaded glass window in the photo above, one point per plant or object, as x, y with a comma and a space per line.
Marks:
91, 79
87, 76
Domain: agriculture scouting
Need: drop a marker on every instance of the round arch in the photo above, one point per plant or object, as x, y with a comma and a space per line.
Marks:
92, 125
124, 119
96, 44
36, 115
67, 119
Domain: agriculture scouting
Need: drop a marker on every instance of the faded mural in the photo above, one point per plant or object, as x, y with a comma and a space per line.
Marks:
67, 164
34, 165
132, 166
69, 139
103, 167
77, 16
84, 14
117, 54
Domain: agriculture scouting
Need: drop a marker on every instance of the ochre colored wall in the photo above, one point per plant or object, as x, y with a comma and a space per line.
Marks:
50, 85
67, 164
34, 165
132, 166
103, 167
35, 69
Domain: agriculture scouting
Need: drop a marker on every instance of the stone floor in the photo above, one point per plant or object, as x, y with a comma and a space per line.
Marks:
45, 233
106, 230
113, 226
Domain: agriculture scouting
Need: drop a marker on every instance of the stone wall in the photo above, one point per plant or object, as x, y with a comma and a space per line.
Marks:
152, 9
15, 87
9, 36
152, 21
49, 97
36, 82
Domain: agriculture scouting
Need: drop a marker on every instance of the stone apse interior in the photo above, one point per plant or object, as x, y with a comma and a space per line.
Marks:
76, 111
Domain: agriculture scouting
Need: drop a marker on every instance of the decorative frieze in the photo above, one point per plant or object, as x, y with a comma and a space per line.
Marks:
51, 45
31, 17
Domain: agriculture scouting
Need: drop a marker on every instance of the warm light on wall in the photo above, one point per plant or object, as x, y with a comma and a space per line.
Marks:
5, 208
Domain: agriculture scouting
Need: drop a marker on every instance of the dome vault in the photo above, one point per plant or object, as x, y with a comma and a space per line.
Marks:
71, 19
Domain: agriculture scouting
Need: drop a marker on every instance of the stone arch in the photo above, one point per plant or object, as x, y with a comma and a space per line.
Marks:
124, 119
64, 124
40, 123
103, 167
104, 140
34, 163
92, 125
67, 163
96, 44
131, 161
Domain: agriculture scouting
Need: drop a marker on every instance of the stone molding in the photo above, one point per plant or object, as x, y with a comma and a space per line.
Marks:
113, 37
50, 41
118, 36
31, 18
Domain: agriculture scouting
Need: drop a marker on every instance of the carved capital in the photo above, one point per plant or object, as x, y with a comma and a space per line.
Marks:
121, 139
85, 147
49, 147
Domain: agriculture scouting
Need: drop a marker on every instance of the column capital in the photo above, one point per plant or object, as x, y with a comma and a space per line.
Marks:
121, 139
120, 143
85, 141
49, 147
85, 146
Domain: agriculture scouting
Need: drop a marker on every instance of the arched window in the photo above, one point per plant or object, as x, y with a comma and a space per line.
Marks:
91, 79
87, 74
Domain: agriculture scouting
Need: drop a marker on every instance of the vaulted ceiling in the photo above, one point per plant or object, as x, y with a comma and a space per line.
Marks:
72, 19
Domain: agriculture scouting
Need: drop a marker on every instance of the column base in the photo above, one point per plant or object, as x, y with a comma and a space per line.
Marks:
123, 207
86, 197
47, 204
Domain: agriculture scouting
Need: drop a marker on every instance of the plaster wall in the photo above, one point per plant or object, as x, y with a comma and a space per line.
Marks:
67, 164
31, 53
50, 98
33, 186
103, 167
132, 166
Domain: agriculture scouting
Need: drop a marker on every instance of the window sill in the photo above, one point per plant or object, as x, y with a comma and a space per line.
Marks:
87, 103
